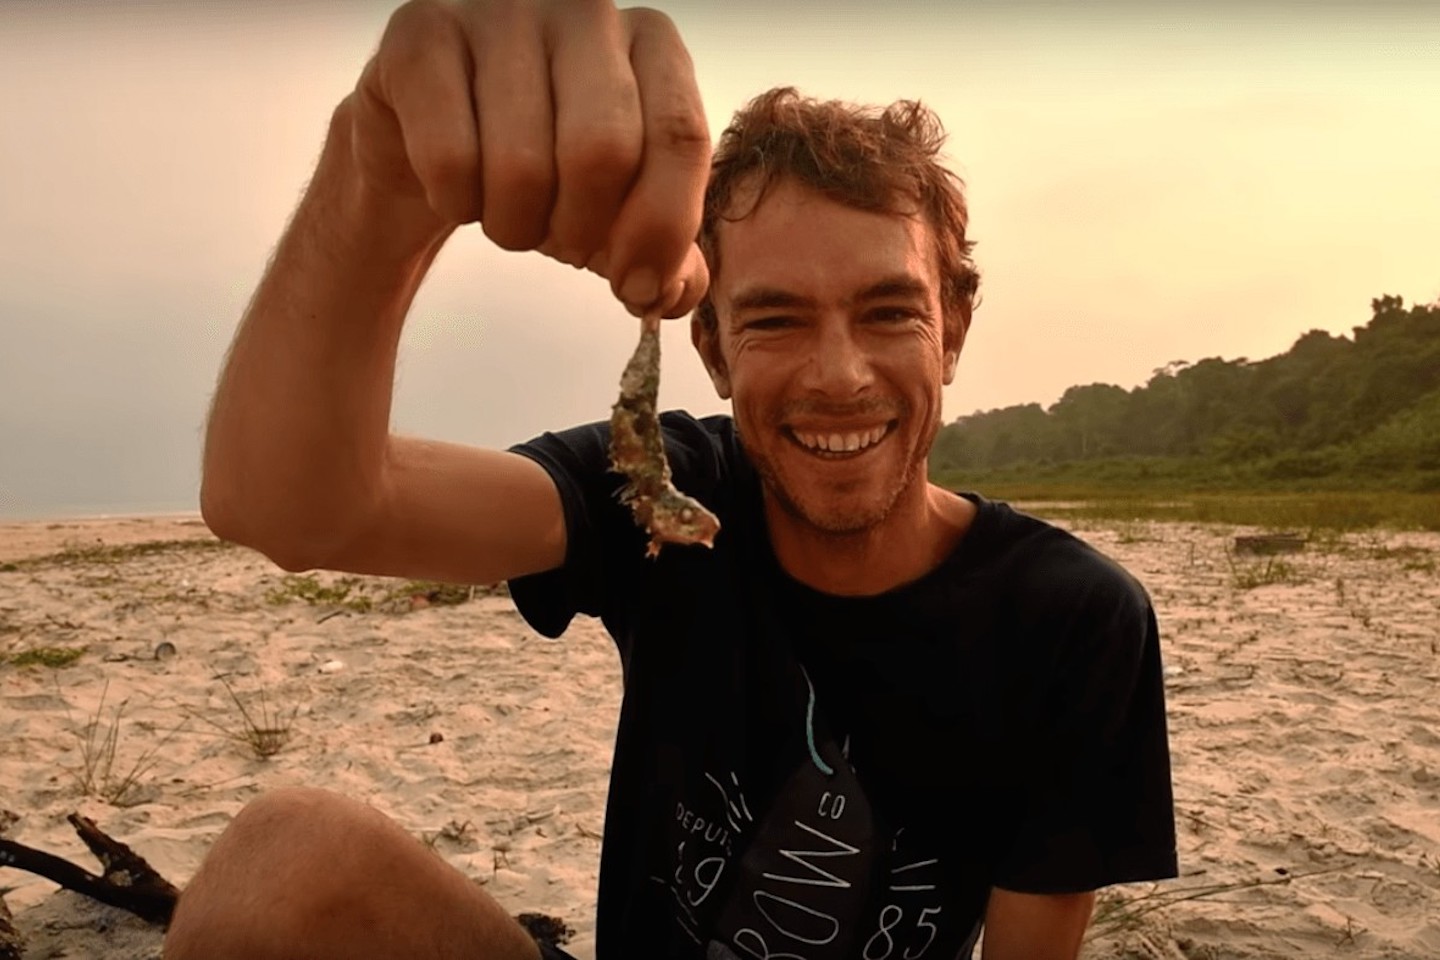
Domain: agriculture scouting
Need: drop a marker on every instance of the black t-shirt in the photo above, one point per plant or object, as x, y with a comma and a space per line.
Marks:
800, 775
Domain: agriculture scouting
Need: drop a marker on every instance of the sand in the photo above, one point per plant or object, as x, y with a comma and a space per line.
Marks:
1304, 699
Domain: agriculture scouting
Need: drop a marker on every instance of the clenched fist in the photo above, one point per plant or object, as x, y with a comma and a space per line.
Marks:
564, 126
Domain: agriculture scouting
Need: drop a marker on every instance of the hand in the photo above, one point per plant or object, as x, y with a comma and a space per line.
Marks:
564, 126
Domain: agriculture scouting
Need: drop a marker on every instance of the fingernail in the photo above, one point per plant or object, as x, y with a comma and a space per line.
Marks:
641, 287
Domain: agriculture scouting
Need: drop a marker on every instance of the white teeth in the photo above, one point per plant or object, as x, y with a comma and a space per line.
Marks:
842, 442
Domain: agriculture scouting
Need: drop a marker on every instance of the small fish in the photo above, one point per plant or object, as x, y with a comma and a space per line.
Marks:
636, 451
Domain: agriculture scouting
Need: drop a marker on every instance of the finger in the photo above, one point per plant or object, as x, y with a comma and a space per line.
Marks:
516, 120
680, 295
685, 291
423, 68
599, 137
660, 218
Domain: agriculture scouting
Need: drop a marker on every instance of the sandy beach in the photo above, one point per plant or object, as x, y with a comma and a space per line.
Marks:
1304, 704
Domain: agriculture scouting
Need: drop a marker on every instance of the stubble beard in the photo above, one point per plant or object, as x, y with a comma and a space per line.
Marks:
843, 524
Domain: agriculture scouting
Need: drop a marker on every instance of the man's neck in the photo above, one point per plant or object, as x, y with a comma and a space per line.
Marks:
919, 533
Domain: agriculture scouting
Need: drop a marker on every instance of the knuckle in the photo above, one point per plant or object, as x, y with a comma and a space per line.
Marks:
417, 19
519, 171
600, 154
519, 191
651, 21
513, 233
683, 132
453, 186
412, 35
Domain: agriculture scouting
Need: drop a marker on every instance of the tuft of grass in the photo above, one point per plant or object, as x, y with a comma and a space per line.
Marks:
100, 774
1248, 576
343, 592
1118, 910
53, 657
457, 833
80, 554
436, 593
370, 594
266, 731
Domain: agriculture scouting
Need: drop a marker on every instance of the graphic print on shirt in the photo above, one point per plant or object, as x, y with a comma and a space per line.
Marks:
815, 876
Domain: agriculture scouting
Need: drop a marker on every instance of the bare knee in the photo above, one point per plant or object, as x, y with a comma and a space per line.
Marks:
303, 872
285, 866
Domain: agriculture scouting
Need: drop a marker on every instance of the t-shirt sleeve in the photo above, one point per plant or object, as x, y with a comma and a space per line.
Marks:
577, 460
1098, 806
605, 563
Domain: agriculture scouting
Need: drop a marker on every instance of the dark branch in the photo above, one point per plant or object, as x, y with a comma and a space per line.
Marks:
128, 881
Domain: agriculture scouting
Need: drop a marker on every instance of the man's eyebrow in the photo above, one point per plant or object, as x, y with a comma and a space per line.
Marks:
894, 287
768, 298
900, 285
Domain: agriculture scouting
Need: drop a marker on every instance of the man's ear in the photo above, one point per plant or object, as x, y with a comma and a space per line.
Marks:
706, 338
955, 331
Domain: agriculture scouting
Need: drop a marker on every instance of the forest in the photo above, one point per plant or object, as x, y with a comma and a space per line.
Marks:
1333, 412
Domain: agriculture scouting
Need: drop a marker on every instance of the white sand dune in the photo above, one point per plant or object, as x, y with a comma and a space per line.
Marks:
1305, 724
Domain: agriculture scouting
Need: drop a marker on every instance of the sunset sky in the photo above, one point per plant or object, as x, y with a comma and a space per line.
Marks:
1148, 182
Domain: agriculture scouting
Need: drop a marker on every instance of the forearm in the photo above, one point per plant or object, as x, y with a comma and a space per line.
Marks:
1025, 926
297, 436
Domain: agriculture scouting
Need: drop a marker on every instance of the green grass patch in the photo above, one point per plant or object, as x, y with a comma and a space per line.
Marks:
372, 594
437, 593
53, 657
83, 554
345, 592
1248, 576
1322, 511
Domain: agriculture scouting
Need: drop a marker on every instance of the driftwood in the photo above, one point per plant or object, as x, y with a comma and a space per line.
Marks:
12, 947
128, 882
1270, 544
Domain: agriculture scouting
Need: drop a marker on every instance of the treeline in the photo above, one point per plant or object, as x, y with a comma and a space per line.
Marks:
1362, 409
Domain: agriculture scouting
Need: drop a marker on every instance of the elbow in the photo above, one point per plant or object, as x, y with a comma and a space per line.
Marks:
236, 520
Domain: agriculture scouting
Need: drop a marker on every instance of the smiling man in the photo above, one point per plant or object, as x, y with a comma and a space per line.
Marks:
878, 717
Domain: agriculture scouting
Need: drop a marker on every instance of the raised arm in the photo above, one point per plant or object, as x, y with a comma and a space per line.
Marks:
566, 127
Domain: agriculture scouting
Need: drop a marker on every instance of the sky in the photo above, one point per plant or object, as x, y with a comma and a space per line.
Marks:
1147, 182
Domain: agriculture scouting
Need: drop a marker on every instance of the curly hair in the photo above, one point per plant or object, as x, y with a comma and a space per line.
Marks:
884, 160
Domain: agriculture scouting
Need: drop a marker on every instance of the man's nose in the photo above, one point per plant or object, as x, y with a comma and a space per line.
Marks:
838, 365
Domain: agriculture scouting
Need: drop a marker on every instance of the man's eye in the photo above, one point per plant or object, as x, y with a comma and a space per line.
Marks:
893, 315
770, 323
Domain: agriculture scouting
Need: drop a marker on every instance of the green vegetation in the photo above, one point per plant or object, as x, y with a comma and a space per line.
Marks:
436, 593
345, 592
265, 731
1352, 422
1304, 512
366, 594
1248, 576
52, 657
77, 554
99, 740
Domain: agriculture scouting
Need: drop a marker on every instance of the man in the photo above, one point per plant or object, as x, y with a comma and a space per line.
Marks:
877, 712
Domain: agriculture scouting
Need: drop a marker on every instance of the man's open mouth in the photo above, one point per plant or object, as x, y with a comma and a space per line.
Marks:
839, 444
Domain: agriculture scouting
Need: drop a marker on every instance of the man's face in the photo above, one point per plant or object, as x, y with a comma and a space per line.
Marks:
831, 345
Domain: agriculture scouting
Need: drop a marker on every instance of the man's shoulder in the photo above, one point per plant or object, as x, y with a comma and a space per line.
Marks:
1051, 568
